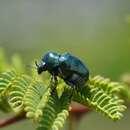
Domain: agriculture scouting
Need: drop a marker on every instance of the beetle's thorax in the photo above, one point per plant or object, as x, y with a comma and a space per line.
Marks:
51, 60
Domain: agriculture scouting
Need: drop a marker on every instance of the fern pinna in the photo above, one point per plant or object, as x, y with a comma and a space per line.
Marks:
49, 104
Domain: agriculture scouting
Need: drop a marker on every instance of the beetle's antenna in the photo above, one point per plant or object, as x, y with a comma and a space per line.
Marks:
36, 64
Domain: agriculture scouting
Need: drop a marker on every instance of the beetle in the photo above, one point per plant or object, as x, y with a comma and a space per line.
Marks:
68, 67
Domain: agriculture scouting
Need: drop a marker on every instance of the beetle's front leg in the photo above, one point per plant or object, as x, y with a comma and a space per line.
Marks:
54, 82
54, 79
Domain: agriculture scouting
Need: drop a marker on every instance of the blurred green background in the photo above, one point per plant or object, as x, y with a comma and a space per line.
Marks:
97, 31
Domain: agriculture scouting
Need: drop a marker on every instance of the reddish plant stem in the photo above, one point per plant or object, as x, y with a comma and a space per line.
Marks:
12, 120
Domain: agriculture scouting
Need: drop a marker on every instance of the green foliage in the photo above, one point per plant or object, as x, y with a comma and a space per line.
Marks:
48, 104
35, 99
6, 80
55, 112
43, 104
95, 97
17, 92
105, 84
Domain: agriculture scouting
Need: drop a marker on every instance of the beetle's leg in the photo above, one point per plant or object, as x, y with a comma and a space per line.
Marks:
54, 79
72, 92
54, 82
36, 64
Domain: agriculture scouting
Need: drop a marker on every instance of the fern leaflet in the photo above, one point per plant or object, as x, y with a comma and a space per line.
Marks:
17, 93
6, 80
55, 112
109, 105
35, 99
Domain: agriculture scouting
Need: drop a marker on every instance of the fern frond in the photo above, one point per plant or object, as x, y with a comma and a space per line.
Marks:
50, 105
17, 92
108, 105
5, 84
95, 97
35, 99
55, 112
106, 84
6, 81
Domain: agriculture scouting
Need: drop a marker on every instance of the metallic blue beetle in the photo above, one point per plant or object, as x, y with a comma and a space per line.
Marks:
66, 66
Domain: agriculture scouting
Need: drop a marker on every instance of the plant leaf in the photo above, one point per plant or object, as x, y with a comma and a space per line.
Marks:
35, 99
55, 112
95, 97
17, 93
6, 80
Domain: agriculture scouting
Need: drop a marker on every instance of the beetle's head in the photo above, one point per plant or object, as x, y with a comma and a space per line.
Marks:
49, 62
41, 67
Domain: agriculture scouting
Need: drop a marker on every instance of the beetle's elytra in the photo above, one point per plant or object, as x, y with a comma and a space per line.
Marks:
71, 69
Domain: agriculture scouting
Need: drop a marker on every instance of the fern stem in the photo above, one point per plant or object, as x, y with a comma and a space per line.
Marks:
12, 120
